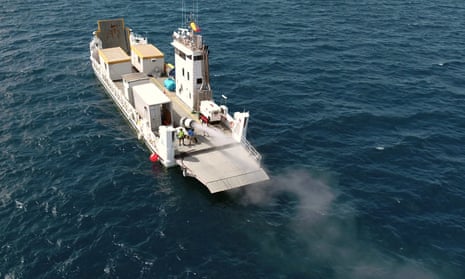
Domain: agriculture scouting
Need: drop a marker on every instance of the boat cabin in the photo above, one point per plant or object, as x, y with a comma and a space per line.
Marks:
148, 59
115, 62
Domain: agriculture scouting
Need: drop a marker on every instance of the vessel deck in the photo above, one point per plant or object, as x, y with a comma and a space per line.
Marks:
215, 158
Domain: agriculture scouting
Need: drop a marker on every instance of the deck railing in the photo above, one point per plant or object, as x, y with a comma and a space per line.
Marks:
251, 149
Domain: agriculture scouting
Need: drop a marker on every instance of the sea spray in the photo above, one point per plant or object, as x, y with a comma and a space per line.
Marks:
325, 231
210, 131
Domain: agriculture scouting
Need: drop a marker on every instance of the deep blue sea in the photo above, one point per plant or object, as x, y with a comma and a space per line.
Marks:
357, 107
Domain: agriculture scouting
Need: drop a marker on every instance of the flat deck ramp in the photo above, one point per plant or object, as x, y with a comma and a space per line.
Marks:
223, 168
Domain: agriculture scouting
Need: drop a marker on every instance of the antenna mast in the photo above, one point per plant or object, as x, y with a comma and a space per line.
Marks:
183, 13
189, 15
195, 11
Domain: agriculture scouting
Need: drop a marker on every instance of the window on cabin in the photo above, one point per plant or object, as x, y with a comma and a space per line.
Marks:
181, 54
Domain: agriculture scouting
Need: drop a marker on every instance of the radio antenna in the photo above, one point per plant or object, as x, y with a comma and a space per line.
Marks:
189, 15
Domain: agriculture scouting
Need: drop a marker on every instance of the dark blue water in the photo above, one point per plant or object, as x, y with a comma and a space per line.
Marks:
356, 106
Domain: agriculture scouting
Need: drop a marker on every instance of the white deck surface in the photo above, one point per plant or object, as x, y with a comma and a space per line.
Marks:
223, 168
216, 159
219, 163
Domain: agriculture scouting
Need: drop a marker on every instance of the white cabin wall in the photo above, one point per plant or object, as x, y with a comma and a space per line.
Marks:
198, 74
165, 145
136, 61
116, 70
155, 116
149, 66
153, 66
128, 93
183, 85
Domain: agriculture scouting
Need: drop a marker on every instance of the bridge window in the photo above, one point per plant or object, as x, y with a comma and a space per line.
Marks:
181, 54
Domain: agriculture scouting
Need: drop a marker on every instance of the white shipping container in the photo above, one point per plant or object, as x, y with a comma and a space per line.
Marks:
148, 59
115, 62
131, 80
148, 101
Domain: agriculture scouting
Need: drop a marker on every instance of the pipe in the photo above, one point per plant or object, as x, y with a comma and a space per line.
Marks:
186, 122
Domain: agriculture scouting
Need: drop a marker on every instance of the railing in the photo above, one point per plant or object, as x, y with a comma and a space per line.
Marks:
138, 39
117, 94
193, 42
251, 149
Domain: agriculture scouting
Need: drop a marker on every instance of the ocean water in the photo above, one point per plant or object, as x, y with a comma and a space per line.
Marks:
356, 106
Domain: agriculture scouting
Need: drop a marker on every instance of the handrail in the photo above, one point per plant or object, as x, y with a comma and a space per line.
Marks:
251, 149
120, 100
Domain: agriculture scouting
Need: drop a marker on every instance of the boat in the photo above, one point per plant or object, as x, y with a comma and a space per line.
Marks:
172, 108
